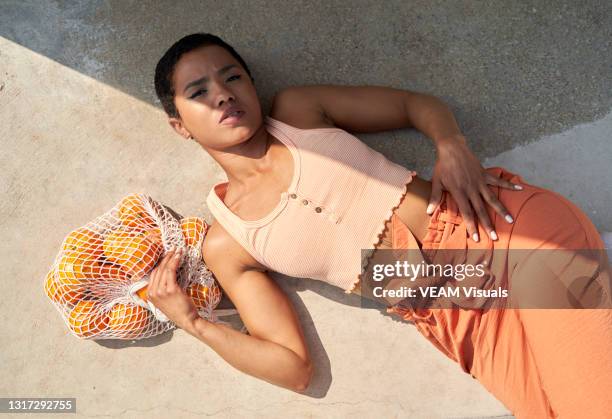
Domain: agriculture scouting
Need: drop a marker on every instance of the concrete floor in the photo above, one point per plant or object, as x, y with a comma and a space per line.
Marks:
80, 126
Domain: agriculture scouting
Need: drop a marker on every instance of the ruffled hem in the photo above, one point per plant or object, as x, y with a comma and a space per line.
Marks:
377, 239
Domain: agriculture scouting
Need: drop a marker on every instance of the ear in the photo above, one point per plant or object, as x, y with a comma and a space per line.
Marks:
178, 126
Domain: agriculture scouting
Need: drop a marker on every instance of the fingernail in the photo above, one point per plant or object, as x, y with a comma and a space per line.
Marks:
430, 208
519, 187
494, 235
475, 237
509, 218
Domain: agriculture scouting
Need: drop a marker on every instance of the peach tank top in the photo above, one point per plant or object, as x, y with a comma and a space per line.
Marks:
341, 194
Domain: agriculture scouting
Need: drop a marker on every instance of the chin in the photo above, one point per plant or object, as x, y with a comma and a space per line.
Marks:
241, 135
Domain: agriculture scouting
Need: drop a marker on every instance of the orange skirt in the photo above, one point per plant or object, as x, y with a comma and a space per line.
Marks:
540, 363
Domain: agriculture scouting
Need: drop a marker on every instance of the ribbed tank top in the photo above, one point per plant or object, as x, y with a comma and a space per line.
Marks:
341, 194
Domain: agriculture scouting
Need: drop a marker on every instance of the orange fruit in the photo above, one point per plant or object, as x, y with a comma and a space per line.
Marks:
142, 293
130, 320
87, 319
133, 214
49, 286
136, 252
194, 228
108, 276
83, 240
202, 295
80, 263
153, 234
77, 265
64, 292
71, 278
112, 271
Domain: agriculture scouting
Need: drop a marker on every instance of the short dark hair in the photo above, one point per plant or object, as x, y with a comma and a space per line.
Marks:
164, 71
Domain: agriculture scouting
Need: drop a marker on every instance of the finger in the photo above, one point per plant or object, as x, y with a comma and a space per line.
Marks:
497, 206
483, 216
492, 180
171, 268
159, 273
165, 266
152, 287
176, 259
468, 216
434, 198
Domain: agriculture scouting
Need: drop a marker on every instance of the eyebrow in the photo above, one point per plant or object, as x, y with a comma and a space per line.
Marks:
205, 79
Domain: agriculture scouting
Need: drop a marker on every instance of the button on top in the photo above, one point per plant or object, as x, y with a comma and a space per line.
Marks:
318, 209
293, 196
305, 202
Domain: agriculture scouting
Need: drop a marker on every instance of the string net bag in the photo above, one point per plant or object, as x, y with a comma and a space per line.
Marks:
98, 280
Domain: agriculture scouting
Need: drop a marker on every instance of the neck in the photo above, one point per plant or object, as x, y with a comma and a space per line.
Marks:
246, 162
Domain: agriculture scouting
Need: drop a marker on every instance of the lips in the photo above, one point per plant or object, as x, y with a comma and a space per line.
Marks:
229, 111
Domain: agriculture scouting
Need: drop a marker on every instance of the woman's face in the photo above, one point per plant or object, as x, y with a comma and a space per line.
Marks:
201, 104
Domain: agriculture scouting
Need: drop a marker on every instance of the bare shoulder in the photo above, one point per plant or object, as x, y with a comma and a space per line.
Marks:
298, 107
221, 251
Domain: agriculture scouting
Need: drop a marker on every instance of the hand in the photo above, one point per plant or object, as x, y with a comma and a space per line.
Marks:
458, 171
164, 292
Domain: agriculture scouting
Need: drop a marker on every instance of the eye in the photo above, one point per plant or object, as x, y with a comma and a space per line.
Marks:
197, 92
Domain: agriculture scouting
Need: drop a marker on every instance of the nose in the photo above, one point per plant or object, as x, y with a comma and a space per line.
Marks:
224, 95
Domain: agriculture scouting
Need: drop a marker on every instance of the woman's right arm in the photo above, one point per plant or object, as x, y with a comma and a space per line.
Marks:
276, 350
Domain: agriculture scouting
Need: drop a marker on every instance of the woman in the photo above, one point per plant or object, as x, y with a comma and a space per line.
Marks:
338, 196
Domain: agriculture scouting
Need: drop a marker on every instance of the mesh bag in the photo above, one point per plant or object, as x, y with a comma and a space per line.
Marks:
99, 278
